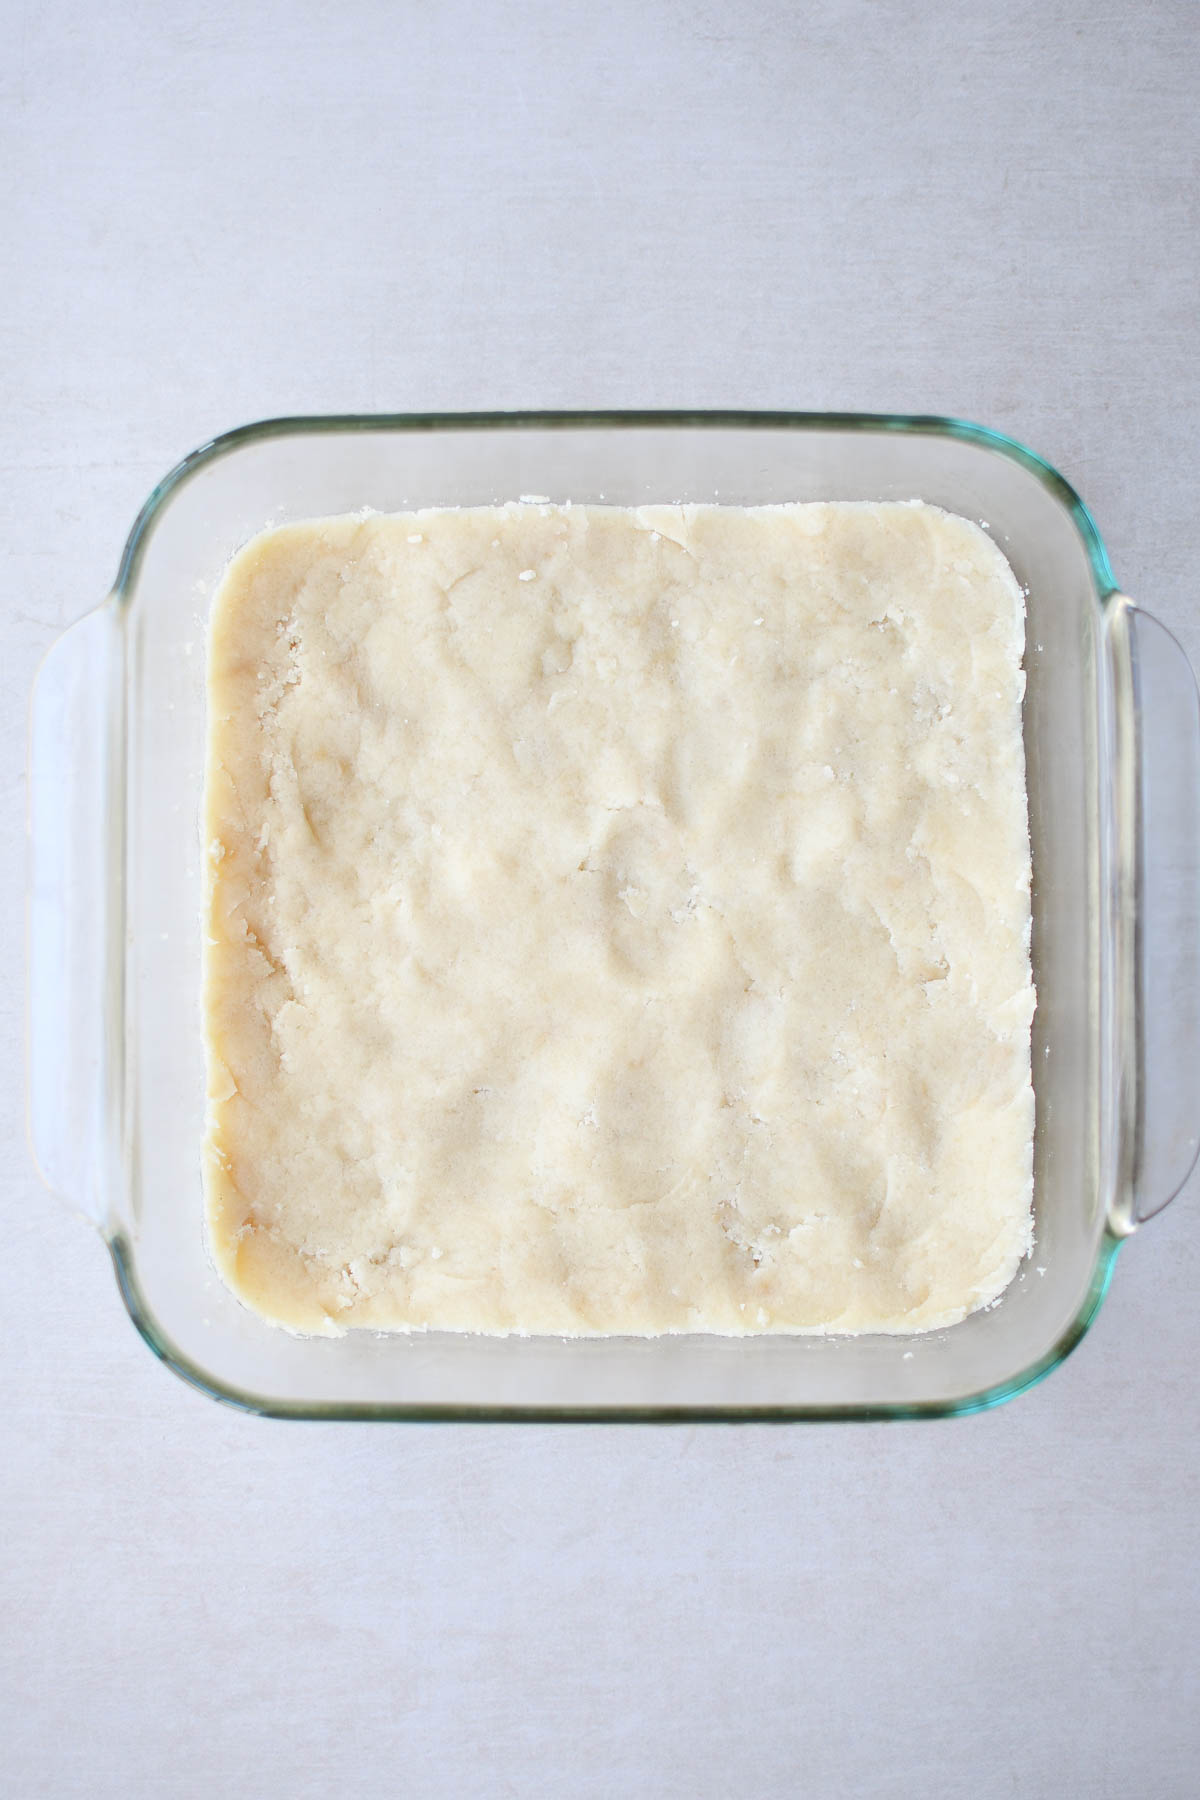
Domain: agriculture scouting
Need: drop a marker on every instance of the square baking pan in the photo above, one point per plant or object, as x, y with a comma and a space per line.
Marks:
117, 1076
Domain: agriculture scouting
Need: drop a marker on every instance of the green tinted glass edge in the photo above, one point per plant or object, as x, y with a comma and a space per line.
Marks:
927, 425
265, 1406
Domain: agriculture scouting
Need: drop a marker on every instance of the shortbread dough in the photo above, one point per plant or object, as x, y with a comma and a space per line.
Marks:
618, 921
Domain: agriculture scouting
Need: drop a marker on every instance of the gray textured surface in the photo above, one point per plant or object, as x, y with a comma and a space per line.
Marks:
211, 217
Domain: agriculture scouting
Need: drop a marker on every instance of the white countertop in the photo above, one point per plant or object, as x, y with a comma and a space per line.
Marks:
218, 213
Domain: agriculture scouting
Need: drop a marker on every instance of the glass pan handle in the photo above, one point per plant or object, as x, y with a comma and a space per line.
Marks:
74, 864
1167, 941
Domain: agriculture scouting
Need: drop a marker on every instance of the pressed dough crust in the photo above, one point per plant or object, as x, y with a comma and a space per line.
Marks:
618, 921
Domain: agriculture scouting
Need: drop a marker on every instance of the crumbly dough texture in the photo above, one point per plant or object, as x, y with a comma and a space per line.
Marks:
618, 921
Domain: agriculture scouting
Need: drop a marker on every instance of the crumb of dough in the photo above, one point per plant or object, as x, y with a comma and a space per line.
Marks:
618, 921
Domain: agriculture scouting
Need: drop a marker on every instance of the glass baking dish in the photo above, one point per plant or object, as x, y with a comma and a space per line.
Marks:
117, 1080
